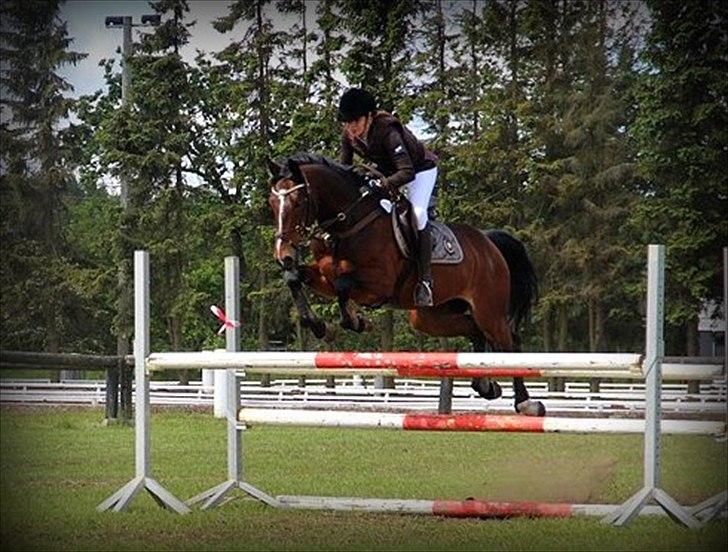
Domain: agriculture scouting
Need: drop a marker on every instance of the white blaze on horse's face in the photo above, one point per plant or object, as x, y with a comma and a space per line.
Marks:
284, 210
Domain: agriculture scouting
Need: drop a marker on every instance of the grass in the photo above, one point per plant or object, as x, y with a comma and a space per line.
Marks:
56, 465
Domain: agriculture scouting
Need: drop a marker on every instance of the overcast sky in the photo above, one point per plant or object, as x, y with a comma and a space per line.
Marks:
85, 20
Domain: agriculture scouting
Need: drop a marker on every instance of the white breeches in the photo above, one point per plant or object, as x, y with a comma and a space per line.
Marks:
419, 192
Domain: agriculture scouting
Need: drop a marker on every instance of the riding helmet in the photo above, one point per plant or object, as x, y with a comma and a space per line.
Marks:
355, 103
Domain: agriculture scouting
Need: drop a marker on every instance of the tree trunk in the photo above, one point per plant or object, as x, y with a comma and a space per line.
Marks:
546, 331
691, 349
386, 344
563, 339
175, 337
263, 341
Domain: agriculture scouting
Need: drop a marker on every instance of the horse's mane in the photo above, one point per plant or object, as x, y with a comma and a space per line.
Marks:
291, 167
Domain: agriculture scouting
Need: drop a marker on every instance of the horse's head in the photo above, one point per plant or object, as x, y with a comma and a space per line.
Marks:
289, 200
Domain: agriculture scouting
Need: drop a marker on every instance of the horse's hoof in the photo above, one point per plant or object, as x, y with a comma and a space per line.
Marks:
487, 388
531, 408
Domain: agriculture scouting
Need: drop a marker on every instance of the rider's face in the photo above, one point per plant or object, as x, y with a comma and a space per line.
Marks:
357, 128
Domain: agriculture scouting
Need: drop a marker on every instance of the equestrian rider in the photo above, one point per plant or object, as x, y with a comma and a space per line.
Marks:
381, 138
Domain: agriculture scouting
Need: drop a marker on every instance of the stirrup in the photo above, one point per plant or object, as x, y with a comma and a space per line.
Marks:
423, 294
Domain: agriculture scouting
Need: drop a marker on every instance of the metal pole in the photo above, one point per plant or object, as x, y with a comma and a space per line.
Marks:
652, 368
125, 374
214, 496
142, 480
654, 353
232, 344
141, 352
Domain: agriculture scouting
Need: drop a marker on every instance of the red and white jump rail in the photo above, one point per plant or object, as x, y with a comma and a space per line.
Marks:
413, 364
466, 422
427, 365
472, 508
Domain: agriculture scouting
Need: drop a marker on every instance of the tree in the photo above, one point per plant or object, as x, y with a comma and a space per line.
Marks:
681, 130
37, 177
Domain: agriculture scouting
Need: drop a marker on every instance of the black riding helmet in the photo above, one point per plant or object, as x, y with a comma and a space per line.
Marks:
355, 103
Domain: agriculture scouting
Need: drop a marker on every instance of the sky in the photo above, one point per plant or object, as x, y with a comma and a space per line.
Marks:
85, 23
85, 19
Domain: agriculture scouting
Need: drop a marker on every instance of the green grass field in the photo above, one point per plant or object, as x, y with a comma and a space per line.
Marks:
58, 464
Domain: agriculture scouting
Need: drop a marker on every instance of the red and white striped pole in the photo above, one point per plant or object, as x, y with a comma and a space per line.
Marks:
466, 422
471, 508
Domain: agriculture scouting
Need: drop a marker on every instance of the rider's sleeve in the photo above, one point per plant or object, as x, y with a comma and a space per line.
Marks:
404, 169
346, 151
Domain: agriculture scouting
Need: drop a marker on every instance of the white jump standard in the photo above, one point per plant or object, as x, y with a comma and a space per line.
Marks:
143, 480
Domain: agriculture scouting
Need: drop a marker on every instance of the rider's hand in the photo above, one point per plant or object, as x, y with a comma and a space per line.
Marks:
384, 183
362, 172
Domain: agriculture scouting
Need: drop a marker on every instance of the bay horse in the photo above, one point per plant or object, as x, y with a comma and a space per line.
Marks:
325, 205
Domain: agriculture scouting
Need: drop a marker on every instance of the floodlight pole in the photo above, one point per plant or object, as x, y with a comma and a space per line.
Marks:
123, 373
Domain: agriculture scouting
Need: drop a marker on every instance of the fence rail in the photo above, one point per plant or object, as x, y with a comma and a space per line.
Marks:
408, 394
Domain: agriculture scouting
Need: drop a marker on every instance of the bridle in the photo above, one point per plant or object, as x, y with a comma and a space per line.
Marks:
307, 225
311, 227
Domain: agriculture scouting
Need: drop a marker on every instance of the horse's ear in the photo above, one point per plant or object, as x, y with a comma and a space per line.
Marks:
294, 167
274, 168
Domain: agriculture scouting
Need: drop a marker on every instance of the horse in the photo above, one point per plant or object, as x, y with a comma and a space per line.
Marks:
331, 209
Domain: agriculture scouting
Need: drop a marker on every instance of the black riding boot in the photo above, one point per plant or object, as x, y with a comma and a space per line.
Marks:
423, 290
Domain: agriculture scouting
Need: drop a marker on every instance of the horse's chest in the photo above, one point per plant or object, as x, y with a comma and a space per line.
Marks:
332, 268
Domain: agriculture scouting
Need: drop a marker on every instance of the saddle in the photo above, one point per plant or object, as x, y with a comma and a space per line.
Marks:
446, 248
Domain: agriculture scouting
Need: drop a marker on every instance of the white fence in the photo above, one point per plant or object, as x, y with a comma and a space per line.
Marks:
408, 394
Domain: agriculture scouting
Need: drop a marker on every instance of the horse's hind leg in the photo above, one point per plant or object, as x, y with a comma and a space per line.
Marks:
485, 387
502, 339
523, 402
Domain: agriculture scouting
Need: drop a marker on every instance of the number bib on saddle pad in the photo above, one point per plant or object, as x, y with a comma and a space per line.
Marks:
445, 246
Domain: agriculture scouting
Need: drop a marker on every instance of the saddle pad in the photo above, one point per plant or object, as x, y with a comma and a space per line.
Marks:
446, 248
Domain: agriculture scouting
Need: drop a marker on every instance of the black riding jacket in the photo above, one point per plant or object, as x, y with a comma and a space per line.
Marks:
398, 154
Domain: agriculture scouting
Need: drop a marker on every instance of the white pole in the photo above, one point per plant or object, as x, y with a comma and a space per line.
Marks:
652, 368
220, 397
141, 352
143, 480
208, 378
232, 392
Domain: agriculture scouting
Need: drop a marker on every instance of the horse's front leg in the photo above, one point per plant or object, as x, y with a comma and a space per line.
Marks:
351, 318
320, 329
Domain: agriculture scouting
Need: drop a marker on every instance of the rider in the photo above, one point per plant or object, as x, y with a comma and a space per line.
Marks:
381, 138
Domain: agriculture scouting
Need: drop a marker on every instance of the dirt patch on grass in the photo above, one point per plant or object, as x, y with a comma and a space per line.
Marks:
575, 483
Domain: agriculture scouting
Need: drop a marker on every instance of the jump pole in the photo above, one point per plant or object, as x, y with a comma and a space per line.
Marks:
466, 422
214, 496
654, 353
143, 479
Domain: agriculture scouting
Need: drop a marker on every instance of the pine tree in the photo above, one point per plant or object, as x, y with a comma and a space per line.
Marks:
681, 130
379, 56
36, 176
255, 86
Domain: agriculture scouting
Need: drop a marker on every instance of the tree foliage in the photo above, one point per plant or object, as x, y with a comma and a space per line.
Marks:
588, 129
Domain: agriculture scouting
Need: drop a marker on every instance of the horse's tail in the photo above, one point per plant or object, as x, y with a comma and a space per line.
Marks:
524, 284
